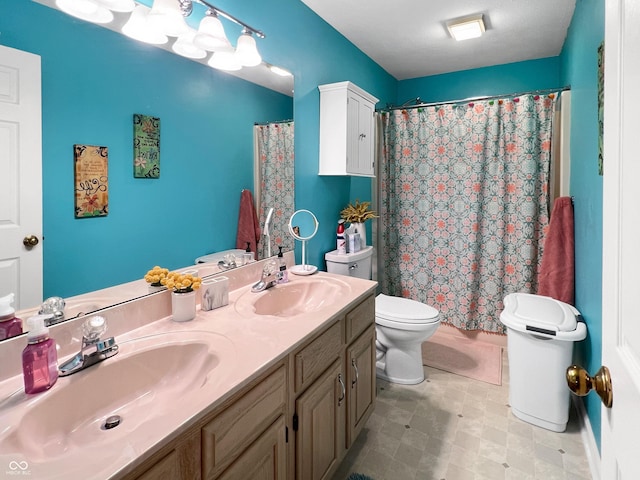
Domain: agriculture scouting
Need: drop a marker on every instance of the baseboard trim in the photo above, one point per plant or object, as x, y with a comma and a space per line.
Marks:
588, 439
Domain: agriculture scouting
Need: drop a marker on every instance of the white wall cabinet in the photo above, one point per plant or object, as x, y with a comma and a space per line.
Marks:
347, 130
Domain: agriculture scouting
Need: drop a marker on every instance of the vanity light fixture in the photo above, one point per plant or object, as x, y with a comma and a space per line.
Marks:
186, 47
167, 17
89, 10
138, 28
211, 34
224, 61
246, 50
467, 27
118, 5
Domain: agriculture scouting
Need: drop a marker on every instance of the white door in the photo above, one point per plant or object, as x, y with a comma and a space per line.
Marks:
20, 176
621, 240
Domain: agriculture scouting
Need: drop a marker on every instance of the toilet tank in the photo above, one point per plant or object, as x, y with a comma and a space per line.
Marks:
351, 264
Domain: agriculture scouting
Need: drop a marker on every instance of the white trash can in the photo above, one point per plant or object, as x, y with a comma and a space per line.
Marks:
541, 332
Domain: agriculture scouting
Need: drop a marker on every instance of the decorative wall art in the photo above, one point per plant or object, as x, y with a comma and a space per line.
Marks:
600, 107
91, 180
146, 146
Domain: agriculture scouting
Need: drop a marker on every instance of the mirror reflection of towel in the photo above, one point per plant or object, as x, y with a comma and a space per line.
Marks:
248, 226
556, 277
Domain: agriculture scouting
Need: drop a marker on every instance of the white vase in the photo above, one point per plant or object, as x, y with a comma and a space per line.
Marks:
183, 306
359, 226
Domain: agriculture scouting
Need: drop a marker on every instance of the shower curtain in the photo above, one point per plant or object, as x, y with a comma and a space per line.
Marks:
464, 204
274, 182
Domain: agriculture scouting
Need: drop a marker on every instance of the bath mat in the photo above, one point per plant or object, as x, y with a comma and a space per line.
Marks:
469, 358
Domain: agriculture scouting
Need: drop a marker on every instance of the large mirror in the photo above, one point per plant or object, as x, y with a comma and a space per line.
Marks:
93, 81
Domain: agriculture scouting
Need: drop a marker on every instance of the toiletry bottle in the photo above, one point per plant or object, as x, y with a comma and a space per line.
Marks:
341, 241
10, 325
248, 250
39, 358
283, 275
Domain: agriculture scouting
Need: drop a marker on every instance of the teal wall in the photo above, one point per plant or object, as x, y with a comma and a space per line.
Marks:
579, 68
93, 80
487, 81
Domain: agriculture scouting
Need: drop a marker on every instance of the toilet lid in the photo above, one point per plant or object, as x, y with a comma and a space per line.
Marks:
404, 310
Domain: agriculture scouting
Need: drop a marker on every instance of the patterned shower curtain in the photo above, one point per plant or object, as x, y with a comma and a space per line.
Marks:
275, 185
464, 204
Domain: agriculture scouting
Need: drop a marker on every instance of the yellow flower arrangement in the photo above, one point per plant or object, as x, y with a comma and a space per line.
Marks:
178, 282
181, 282
358, 212
156, 275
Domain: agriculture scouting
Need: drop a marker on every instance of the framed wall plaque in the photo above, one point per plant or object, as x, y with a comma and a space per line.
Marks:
146, 146
91, 180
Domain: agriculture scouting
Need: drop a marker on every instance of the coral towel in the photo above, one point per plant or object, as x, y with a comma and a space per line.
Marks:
556, 278
248, 226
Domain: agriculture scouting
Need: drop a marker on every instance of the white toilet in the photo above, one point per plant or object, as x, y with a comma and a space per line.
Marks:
401, 324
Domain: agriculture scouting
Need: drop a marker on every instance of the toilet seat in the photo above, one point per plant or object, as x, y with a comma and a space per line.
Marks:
396, 311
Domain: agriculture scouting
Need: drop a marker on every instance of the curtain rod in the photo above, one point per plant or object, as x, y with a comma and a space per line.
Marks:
470, 99
290, 120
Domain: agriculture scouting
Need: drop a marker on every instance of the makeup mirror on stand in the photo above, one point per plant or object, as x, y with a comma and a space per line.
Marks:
303, 225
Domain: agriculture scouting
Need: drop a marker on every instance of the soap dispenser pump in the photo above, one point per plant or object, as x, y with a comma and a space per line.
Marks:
10, 325
283, 275
39, 358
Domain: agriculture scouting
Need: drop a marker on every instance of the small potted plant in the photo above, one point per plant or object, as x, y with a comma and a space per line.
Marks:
356, 214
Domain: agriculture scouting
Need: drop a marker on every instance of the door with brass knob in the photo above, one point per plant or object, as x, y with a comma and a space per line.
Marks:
581, 383
30, 241
21, 171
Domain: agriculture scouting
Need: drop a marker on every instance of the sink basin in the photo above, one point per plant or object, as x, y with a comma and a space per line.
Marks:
144, 383
293, 298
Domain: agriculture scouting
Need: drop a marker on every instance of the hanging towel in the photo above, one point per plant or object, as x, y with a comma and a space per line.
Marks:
556, 278
248, 226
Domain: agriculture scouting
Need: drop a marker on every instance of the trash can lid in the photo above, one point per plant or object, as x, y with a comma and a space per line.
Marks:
525, 311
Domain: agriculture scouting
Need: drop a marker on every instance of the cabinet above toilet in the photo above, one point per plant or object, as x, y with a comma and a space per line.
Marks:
346, 130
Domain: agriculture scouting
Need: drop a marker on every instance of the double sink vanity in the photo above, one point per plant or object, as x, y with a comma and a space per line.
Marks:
274, 385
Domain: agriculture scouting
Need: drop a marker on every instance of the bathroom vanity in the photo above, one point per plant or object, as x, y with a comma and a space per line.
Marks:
275, 385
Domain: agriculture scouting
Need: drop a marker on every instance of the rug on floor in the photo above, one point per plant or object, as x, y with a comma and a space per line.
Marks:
469, 358
358, 476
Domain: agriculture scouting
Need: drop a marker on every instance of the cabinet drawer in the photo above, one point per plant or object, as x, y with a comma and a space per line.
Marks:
313, 359
234, 429
360, 318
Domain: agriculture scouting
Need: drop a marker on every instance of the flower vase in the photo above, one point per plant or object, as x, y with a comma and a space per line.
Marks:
359, 226
183, 306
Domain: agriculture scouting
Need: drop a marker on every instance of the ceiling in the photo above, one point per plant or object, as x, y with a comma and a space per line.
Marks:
409, 38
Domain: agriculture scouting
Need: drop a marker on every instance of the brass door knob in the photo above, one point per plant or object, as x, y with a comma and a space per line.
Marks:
581, 383
30, 241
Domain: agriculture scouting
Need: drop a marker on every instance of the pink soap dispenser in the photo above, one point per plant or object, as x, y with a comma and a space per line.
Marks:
10, 325
39, 358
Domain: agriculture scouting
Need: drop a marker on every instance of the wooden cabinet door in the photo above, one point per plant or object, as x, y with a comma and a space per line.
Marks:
265, 459
321, 418
180, 461
361, 382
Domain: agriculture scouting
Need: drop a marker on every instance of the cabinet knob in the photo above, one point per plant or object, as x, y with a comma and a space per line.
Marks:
363, 136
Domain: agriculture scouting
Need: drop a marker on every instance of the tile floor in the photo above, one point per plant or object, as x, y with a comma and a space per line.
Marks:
454, 428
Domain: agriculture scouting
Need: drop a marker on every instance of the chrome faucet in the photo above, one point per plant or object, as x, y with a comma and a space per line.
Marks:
269, 277
93, 350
